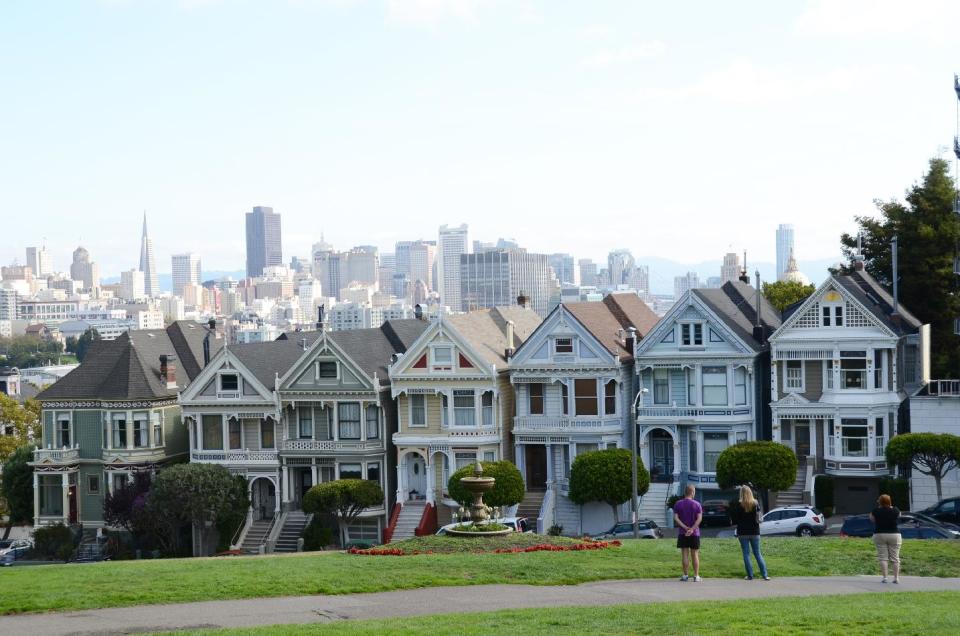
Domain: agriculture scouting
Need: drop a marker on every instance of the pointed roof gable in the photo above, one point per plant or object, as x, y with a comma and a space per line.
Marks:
735, 304
609, 319
486, 330
372, 349
267, 360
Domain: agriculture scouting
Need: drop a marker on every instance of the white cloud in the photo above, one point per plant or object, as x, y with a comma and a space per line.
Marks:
430, 12
929, 19
629, 54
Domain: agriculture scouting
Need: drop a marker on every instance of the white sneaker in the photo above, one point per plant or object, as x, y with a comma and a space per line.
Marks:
697, 579
684, 578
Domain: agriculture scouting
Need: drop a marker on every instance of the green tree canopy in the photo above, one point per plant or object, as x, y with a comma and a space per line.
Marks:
928, 229
16, 488
763, 465
346, 499
605, 475
933, 454
784, 293
23, 418
507, 490
27, 351
84, 342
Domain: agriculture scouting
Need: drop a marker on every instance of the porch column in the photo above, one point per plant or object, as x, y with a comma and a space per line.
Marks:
190, 437
521, 460
643, 448
334, 422
550, 478
109, 436
401, 492
313, 473
36, 499
676, 458
225, 427
813, 439
65, 481
276, 502
285, 485
129, 427
431, 479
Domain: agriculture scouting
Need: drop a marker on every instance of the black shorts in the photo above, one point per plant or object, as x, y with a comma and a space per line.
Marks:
692, 542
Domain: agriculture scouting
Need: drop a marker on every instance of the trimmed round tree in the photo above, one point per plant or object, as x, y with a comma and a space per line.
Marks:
345, 499
508, 489
606, 475
933, 454
763, 465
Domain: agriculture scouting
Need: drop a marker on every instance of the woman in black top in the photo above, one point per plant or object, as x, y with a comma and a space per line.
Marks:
746, 514
886, 536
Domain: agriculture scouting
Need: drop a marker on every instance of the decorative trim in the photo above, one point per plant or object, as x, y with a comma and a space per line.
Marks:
100, 404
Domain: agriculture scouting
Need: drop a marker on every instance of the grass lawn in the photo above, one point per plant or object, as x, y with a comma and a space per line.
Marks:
124, 583
905, 613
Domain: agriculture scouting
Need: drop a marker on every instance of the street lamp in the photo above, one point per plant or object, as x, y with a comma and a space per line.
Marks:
633, 458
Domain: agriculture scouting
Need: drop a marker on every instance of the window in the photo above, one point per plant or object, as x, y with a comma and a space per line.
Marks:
838, 316
713, 445
830, 368
418, 410
610, 397
93, 484
351, 471
661, 386
305, 422
714, 386
878, 369
444, 411
373, 422
326, 369
120, 429
141, 430
443, 356
565, 398
853, 373
212, 432
487, 407
464, 459
489, 456
793, 378
464, 408
229, 382
63, 431
563, 345
786, 430
832, 311
691, 334
693, 452
321, 423
535, 398
691, 387
741, 436
585, 396
120, 480
740, 386
373, 472
266, 434
853, 433
157, 433
349, 415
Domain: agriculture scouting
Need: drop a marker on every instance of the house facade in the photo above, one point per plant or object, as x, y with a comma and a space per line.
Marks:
113, 416
843, 363
700, 374
574, 384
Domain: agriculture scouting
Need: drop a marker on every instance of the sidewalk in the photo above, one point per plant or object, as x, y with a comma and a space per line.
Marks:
441, 600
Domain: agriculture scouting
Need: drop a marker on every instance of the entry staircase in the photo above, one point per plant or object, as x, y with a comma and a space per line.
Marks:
530, 507
408, 520
653, 505
89, 550
256, 535
793, 496
292, 530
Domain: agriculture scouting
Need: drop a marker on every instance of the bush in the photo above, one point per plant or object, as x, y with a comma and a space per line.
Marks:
344, 498
605, 475
762, 465
823, 491
555, 530
898, 490
507, 490
317, 536
673, 499
53, 542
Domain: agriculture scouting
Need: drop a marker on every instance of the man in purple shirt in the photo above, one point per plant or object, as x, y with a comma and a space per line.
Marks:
687, 515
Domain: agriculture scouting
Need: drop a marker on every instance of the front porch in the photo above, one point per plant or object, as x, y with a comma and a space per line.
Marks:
55, 498
841, 446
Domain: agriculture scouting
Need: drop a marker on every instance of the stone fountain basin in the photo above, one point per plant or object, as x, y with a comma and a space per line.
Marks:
478, 484
492, 533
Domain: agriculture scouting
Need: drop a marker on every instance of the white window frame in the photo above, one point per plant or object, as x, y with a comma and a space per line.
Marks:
141, 416
336, 370
666, 378
830, 320
410, 408
469, 412
57, 419
228, 393
800, 387
690, 325
746, 386
440, 365
556, 345
704, 385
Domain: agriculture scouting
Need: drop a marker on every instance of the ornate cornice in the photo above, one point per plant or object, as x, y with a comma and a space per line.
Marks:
104, 404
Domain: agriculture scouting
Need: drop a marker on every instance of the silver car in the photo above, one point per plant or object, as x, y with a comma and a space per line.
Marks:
624, 530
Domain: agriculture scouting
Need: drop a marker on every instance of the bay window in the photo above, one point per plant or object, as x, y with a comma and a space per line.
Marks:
212, 432
63, 431
141, 430
305, 422
464, 459
694, 456
464, 408
853, 433
661, 386
321, 423
351, 471
610, 397
373, 472
878, 369
487, 408
235, 437
349, 420
418, 410
157, 433
793, 379
691, 387
713, 445
119, 428
585, 396
740, 386
853, 369
373, 422
714, 386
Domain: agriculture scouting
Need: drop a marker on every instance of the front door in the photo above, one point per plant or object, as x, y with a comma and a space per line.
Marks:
535, 458
662, 462
802, 442
306, 482
416, 477
72, 496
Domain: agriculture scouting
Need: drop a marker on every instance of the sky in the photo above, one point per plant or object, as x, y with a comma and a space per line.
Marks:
677, 130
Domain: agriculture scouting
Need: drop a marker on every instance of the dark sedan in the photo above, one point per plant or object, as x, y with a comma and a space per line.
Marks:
716, 512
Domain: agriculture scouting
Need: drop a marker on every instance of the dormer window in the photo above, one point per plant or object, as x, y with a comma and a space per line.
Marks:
691, 334
563, 345
831, 310
441, 358
229, 382
326, 369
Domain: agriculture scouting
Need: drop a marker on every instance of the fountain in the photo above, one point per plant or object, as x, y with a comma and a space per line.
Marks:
479, 513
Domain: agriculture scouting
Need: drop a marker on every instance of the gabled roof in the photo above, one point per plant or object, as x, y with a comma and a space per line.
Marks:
372, 349
486, 330
735, 303
267, 360
609, 319
128, 368
878, 302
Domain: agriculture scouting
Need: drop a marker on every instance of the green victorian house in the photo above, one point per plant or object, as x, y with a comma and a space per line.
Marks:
115, 415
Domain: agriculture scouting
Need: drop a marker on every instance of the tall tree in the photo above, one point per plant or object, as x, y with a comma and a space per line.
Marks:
933, 454
22, 421
784, 293
928, 230
84, 341
344, 498
16, 488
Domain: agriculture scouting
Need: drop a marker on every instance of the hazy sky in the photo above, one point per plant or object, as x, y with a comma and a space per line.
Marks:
678, 130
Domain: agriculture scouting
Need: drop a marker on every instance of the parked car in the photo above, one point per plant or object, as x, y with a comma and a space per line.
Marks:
857, 526
947, 510
624, 530
518, 524
716, 512
11, 555
861, 526
802, 521
925, 519
16, 543
924, 531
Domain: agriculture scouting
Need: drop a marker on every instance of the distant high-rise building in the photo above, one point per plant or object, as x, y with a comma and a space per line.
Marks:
784, 248
133, 285
620, 265
330, 268
84, 270
264, 247
422, 257
639, 279
497, 277
40, 261
588, 272
388, 267
148, 265
186, 271
714, 282
363, 262
452, 243
562, 265
683, 284
9, 299
730, 270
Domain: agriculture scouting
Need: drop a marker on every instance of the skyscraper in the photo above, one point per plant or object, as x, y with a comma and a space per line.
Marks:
84, 270
40, 261
363, 263
784, 248
264, 247
451, 245
562, 265
186, 271
620, 265
588, 272
133, 284
151, 284
683, 284
730, 270
422, 256
497, 277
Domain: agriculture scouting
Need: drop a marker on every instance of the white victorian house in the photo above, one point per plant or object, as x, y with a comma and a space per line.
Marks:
844, 361
574, 384
700, 374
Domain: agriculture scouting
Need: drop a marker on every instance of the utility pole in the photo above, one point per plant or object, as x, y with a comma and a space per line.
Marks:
633, 458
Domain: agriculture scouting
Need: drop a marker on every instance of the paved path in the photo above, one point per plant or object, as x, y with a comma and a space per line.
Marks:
439, 600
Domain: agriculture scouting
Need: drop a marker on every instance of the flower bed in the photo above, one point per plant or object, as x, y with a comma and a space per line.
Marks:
515, 544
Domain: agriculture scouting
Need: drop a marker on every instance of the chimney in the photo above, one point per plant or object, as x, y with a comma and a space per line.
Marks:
320, 318
758, 334
744, 277
522, 300
511, 349
418, 312
858, 257
303, 343
168, 371
631, 340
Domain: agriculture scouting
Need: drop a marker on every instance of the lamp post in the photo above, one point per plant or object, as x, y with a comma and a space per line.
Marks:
633, 458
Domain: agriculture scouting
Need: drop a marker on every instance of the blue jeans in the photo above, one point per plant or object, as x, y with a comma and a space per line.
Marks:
752, 543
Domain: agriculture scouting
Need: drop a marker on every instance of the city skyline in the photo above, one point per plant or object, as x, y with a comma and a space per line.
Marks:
598, 120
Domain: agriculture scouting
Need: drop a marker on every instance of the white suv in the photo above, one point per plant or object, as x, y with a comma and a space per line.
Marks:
802, 521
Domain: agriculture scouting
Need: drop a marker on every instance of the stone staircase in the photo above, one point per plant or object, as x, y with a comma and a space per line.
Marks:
409, 519
653, 504
530, 507
255, 536
292, 530
794, 495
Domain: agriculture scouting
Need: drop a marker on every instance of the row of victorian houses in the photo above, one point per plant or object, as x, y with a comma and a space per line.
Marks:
409, 403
